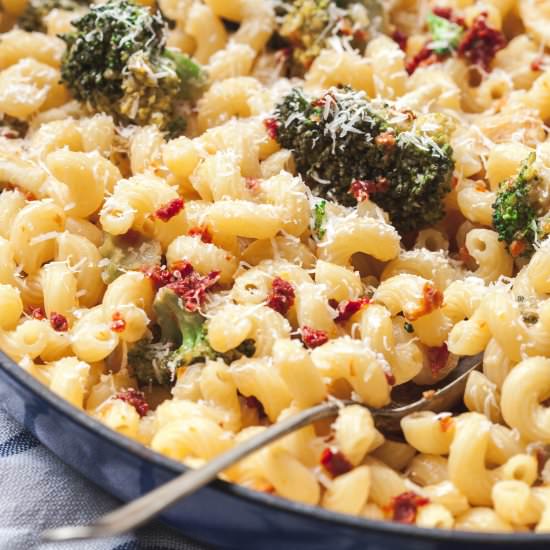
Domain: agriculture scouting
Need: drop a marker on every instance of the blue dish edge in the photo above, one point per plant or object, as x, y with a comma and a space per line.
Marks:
259, 498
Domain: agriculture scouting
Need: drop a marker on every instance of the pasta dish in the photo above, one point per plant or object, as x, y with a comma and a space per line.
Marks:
217, 213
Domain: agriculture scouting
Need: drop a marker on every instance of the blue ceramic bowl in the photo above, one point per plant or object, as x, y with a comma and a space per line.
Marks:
222, 514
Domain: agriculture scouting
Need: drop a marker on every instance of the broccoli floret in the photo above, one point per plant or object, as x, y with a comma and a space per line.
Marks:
33, 18
117, 63
446, 34
183, 342
519, 216
307, 26
343, 140
128, 252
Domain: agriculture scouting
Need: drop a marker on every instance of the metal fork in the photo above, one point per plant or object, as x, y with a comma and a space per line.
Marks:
442, 396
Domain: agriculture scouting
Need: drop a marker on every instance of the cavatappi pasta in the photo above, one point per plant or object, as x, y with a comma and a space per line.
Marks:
188, 289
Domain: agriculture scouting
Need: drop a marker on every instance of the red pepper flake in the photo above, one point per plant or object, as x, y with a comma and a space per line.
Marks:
37, 313
313, 338
438, 358
272, 126
347, 309
59, 322
454, 182
134, 398
432, 299
390, 378
282, 296
335, 463
517, 248
401, 38
446, 423
166, 212
118, 323
404, 507
480, 43
202, 232
254, 403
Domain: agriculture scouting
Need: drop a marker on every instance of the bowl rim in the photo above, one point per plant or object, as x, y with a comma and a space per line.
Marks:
264, 499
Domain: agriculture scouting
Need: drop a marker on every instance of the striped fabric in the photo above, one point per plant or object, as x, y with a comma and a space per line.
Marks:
37, 492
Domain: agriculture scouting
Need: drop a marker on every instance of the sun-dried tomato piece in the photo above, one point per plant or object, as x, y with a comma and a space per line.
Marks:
447, 13
404, 507
59, 322
202, 232
166, 212
313, 338
281, 297
134, 398
481, 42
347, 309
252, 184
335, 463
192, 288
446, 423
118, 323
426, 56
401, 38
537, 64
464, 255
159, 275
37, 313
131, 238
390, 378
432, 299
362, 189
517, 248
182, 278
272, 126
438, 358
253, 402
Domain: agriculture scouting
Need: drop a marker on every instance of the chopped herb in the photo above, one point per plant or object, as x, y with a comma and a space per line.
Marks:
320, 219
446, 34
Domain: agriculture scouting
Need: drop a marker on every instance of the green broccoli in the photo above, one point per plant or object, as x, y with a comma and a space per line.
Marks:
446, 34
33, 18
320, 219
345, 145
307, 26
183, 342
117, 63
519, 215
128, 252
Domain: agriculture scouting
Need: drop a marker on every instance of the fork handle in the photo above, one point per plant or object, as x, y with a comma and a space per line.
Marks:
140, 511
